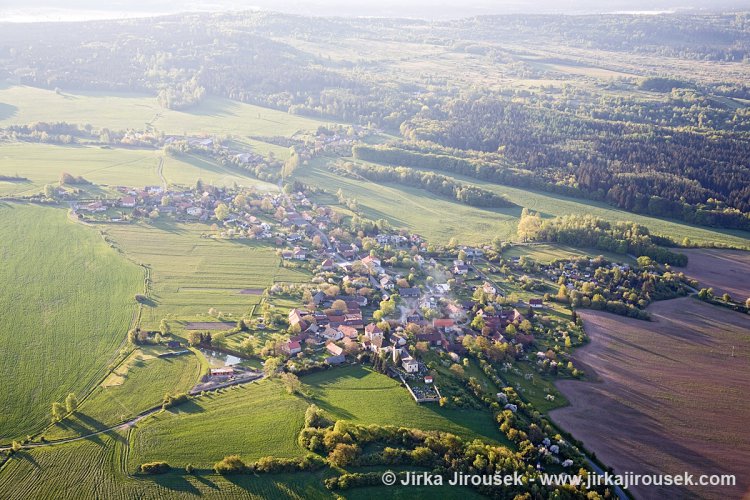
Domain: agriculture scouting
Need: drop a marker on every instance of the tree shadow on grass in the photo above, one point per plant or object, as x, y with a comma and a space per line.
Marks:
206, 482
186, 407
26, 457
337, 412
176, 482
7, 111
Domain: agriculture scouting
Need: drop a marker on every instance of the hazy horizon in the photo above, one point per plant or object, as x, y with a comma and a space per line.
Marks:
80, 10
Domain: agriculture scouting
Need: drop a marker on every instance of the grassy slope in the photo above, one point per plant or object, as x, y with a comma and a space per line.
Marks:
363, 396
137, 385
545, 253
254, 421
261, 419
43, 163
67, 301
118, 111
439, 219
191, 274
95, 469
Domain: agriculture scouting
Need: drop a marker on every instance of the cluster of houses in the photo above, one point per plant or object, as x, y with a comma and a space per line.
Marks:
344, 331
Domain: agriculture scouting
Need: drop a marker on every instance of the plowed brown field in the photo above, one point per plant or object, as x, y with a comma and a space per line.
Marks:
668, 396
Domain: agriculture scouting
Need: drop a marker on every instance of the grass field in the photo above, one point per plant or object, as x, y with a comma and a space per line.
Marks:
138, 384
254, 421
436, 219
94, 469
43, 163
191, 274
261, 419
677, 389
363, 396
439, 219
67, 302
544, 253
119, 111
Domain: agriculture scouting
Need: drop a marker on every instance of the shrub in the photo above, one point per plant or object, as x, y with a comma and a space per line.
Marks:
172, 401
231, 464
314, 417
155, 468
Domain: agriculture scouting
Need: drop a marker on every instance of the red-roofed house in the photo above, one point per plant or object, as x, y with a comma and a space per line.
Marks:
292, 347
348, 331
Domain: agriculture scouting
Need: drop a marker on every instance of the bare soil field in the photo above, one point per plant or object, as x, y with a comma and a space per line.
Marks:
667, 396
726, 271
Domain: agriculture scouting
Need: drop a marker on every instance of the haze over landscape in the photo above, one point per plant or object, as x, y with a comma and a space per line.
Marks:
77, 10
320, 249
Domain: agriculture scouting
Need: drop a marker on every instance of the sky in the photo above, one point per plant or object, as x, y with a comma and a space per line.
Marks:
71, 10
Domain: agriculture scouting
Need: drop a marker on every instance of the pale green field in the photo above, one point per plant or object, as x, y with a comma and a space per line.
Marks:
258, 420
43, 163
67, 301
361, 395
138, 384
545, 253
119, 111
261, 419
191, 274
96, 469
439, 219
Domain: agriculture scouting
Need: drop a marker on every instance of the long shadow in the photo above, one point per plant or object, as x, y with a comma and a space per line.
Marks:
189, 407
205, 481
27, 457
176, 482
7, 111
332, 409
80, 429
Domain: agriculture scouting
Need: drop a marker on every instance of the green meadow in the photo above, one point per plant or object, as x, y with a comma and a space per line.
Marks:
440, 219
546, 253
67, 300
257, 420
119, 111
363, 396
97, 468
43, 163
136, 385
191, 274
261, 419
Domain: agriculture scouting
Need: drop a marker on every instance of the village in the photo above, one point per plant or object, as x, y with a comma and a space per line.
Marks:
389, 299
375, 296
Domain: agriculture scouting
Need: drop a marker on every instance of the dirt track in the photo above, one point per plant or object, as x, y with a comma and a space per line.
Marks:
669, 396
726, 271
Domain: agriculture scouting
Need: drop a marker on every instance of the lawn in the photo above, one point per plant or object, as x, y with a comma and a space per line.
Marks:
546, 253
254, 421
67, 302
261, 419
191, 274
119, 111
95, 468
437, 219
363, 396
138, 384
440, 219
43, 163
